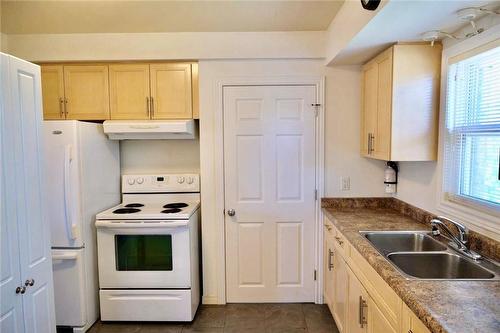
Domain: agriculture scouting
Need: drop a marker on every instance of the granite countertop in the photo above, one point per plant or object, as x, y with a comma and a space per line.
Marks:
443, 306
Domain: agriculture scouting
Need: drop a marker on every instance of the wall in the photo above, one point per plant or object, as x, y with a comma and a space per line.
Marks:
180, 45
159, 156
341, 150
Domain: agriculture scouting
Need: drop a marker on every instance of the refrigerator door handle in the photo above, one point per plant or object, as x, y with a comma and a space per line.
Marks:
67, 188
64, 256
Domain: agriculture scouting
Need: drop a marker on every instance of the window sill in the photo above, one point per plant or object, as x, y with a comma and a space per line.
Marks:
478, 220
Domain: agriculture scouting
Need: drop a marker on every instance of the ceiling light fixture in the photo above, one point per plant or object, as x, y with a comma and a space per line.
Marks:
466, 14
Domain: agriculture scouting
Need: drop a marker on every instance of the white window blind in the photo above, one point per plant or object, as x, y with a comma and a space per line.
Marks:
472, 138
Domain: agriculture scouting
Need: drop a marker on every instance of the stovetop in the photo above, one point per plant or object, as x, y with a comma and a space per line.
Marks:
153, 210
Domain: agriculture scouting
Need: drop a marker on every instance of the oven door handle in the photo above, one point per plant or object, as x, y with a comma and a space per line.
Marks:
140, 225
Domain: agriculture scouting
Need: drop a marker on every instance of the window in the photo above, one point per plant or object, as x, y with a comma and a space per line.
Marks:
472, 138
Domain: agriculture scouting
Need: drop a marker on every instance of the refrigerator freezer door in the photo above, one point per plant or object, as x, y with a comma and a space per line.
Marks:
69, 286
62, 182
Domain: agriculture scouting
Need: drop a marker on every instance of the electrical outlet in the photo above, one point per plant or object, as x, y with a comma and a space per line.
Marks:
345, 183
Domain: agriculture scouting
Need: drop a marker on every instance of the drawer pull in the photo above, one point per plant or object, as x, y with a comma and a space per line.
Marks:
328, 227
339, 240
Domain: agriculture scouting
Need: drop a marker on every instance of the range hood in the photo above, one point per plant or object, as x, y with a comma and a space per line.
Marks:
149, 129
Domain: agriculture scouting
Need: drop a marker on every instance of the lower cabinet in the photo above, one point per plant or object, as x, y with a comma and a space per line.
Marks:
357, 302
410, 322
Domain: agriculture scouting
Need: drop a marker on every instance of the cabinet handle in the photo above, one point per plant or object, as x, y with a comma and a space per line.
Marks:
20, 290
66, 107
372, 144
61, 107
148, 110
29, 283
152, 107
339, 240
330, 263
410, 331
362, 317
328, 227
368, 145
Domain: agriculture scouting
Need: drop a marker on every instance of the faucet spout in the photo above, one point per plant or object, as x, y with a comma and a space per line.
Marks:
460, 242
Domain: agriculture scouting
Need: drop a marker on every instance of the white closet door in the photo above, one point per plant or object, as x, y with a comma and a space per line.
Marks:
11, 311
270, 161
34, 243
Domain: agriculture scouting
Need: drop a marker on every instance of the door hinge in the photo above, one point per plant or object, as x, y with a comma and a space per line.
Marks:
315, 194
316, 108
314, 275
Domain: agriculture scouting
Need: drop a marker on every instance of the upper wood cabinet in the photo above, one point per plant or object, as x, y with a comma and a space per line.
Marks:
400, 89
75, 92
126, 91
129, 91
171, 91
53, 92
86, 91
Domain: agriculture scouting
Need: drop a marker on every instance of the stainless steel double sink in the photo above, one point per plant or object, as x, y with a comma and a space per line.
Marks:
416, 254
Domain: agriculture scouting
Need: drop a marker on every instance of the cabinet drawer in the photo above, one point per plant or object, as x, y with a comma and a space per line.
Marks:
386, 299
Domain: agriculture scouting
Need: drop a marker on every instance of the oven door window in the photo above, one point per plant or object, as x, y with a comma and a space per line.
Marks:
143, 252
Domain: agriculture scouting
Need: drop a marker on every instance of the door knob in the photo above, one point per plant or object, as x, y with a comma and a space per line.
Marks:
20, 290
29, 282
231, 212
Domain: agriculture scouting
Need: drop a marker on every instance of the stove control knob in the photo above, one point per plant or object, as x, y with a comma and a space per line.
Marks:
140, 180
180, 180
131, 181
190, 180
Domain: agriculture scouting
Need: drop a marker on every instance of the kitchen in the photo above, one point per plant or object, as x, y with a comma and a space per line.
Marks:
210, 82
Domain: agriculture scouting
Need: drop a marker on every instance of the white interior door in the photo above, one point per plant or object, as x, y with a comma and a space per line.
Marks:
23, 119
11, 311
269, 167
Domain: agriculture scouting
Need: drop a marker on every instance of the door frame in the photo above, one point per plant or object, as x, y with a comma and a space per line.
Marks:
319, 83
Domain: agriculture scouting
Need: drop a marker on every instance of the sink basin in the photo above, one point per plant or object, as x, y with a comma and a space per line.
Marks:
438, 266
390, 241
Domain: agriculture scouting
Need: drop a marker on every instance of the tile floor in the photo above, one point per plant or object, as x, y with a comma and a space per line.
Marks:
239, 318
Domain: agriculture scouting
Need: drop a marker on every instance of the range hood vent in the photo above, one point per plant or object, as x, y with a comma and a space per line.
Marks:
149, 129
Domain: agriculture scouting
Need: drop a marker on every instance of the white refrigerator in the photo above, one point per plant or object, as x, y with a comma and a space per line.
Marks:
82, 173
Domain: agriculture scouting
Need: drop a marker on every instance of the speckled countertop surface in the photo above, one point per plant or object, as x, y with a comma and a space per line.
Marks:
443, 306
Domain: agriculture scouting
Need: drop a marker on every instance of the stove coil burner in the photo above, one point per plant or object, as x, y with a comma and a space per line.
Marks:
126, 210
171, 211
176, 205
134, 205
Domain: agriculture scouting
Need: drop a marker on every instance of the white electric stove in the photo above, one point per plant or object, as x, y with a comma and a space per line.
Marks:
148, 250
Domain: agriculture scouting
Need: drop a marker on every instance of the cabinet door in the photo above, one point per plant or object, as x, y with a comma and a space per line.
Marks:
53, 92
369, 114
382, 140
377, 323
129, 91
340, 298
357, 320
87, 92
171, 91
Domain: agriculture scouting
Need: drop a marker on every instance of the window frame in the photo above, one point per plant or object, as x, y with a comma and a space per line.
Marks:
481, 216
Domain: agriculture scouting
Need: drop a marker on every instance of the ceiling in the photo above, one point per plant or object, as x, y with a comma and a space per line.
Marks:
405, 20
58, 17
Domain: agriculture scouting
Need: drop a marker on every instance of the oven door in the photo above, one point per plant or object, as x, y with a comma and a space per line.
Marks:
144, 254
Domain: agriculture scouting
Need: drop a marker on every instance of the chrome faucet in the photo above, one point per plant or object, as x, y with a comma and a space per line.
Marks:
459, 243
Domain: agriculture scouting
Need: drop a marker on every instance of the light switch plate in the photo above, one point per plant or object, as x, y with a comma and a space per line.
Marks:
345, 183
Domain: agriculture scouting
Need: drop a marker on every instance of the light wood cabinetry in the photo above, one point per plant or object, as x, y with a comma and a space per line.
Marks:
125, 91
410, 322
129, 91
53, 92
400, 103
171, 91
359, 299
86, 92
